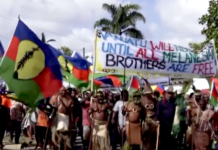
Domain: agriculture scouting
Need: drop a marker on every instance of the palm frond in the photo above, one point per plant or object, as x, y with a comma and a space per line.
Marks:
134, 33
51, 40
103, 23
120, 15
136, 16
127, 23
106, 29
131, 7
43, 38
110, 8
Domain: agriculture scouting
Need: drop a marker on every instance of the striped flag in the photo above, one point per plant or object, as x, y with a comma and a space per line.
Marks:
159, 88
134, 85
213, 93
2, 51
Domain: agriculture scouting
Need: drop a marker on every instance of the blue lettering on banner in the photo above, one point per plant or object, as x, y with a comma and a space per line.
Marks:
116, 48
178, 67
127, 40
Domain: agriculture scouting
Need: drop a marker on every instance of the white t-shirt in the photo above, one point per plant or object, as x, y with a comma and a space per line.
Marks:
33, 117
118, 108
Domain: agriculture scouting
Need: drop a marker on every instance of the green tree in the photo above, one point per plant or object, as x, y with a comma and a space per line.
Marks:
210, 21
123, 20
66, 50
196, 47
43, 39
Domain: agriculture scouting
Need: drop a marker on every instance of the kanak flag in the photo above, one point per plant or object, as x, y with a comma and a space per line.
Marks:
214, 93
29, 67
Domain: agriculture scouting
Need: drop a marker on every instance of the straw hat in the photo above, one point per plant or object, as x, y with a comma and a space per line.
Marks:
147, 89
170, 89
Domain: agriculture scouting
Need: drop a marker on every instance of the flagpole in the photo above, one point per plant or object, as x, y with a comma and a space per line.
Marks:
94, 62
130, 83
214, 50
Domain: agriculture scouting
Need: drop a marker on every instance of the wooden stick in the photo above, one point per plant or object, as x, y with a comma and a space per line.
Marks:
94, 63
158, 133
46, 135
46, 139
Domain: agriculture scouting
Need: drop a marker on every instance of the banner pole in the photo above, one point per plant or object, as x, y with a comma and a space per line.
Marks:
94, 62
214, 50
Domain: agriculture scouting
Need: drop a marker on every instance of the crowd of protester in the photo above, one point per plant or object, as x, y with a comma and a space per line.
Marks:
16, 118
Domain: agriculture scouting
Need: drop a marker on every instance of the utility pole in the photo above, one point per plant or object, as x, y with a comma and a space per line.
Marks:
84, 52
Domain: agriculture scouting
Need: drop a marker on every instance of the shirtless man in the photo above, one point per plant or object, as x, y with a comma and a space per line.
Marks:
100, 111
135, 115
200, 122
149, 127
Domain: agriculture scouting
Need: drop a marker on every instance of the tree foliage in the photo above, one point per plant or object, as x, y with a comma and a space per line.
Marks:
66, 50
43, 39
196, 47
123, 20
210, 21
86, 57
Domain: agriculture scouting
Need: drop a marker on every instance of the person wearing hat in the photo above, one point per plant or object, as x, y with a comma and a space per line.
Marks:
149, 126
199, 97
135, 115
165, 115
201, 123
100, 111
149, 101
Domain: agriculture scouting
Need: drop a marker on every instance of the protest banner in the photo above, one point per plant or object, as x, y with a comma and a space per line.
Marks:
114, 53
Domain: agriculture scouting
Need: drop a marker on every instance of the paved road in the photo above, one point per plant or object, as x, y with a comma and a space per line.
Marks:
78, 145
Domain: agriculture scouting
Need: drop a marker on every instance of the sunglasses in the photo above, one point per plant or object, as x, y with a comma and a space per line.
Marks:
147, 106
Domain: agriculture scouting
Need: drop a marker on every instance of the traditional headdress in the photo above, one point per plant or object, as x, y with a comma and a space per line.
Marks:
147, 88
136, 96
100, 95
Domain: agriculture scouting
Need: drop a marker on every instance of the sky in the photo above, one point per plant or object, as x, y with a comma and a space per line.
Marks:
70, 22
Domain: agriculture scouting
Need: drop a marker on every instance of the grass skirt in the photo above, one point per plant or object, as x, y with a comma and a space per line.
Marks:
100, 136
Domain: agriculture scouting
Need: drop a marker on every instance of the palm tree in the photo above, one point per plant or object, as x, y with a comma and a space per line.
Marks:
123, 20
66, 50
44, 39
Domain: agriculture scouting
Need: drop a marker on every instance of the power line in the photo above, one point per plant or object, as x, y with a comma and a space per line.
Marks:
47, 30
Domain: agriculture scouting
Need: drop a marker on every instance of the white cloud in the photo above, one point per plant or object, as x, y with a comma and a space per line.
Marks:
70, 22
152, 27
180, 17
